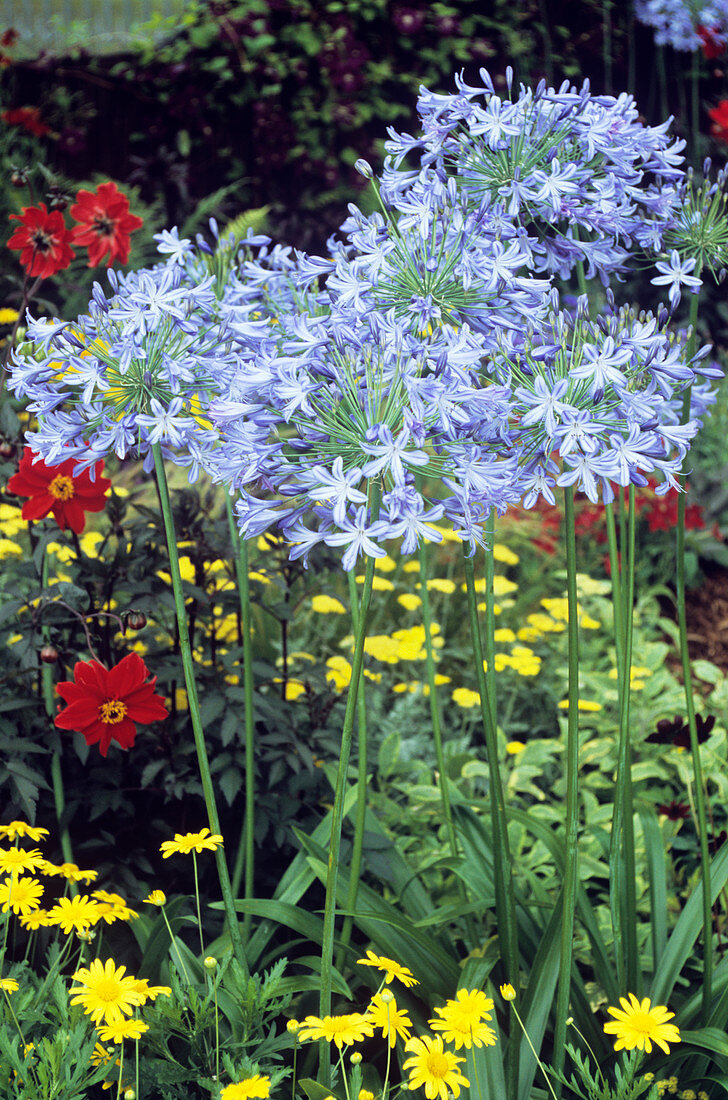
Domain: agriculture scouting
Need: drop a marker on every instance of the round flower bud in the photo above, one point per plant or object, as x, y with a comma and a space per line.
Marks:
210, 963
136, 620
130, 1094
356, 1058
6, 450
292, 1027
386, 996
364, 169
49, 654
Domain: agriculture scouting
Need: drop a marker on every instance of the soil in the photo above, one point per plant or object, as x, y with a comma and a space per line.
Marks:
707, 618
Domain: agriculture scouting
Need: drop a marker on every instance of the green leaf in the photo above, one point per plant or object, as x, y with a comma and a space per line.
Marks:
315, 1091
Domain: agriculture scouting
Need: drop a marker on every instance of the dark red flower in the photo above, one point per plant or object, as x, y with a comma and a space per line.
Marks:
43, 240
105, 224
27, 117
676, 811
712, 42
105, 704
58, 490
719, 115
9, 38
673, 731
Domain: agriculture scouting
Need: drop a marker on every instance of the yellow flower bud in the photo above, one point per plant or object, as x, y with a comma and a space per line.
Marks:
210, 963
356, 1058
507, 992
292, 1026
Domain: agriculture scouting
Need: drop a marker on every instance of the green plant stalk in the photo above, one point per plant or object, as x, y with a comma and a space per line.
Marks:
690, 705
434, 702
48, 688
246, 850
337, 812
490, 614
622, 882
572, 792
361, 790
194, 708
505, 903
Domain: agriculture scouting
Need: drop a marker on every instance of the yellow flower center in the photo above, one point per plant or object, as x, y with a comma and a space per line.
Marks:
437, 1064
112, 711
643, 1023
62, 488
107, 989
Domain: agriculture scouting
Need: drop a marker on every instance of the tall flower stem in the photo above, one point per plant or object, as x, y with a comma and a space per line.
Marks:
48, 688
434, 702
572, 791
246, 850
337, 813
505, 903
361, 793
690, 706
622, 884
194, 708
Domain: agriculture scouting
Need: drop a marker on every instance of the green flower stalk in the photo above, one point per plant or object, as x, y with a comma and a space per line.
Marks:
194, 708
245, 855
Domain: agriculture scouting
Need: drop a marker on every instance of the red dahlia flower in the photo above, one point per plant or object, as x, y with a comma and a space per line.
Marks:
105, 224
104, 704
719, 115
27, 117
43, 240
58, 490
712, 42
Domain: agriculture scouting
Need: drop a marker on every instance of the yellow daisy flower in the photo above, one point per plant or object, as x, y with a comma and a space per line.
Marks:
184, 844
390, 967
22, 895
15, 829
384, 1014
433, 1068
409, 601
327, 605
461, 1019
341, 1030
13, 860
37, 919
9, 985
639, 1024
464, 697
107, 995
70, 871
156, 897
150, 992
121, 1030
112, 907
257, 1086
379, 584
74, 914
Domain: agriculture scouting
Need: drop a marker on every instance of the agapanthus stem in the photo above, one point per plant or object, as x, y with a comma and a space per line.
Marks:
622, 885
434, 703
502, 871
240, 557
48, 687
337, 812
194, 708
690, 707
572, 792
361, 793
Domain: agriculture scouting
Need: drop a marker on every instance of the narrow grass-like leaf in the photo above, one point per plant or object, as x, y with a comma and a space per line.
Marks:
657, 877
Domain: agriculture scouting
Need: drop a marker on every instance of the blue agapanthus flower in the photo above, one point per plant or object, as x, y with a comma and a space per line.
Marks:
338, 405
576, 175
138, 369
677, 23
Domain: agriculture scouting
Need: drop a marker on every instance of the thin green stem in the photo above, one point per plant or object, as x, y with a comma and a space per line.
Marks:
194, 709
505, 903
490, 613
337, 812
48, 688
246, 850
174, 946
533, 1051
572, 791
622, 882
197, 903
361, 791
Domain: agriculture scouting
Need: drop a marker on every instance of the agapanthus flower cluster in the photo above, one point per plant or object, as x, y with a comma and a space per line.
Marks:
599, 402
696, 233
686, 25
333, 422
135, 371
575, 176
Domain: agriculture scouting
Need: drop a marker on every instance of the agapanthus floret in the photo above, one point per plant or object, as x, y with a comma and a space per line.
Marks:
580, 173
696, 224
134, 371
604, 397
318, 422
678, 23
